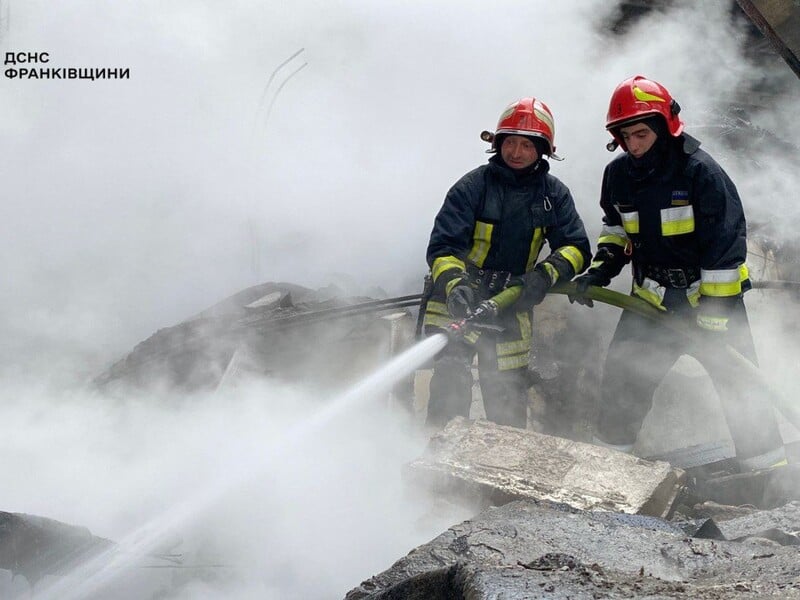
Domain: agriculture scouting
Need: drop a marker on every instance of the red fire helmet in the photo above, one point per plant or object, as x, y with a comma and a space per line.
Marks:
527, 116
638, 97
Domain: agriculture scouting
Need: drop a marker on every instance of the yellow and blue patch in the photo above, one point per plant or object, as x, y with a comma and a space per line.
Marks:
680, 197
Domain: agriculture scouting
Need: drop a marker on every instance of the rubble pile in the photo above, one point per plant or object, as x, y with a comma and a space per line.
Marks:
534, 549
275, 329
554, 517
571, 520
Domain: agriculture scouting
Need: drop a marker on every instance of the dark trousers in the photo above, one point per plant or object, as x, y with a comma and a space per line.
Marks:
504, 390
639, 356
505, 393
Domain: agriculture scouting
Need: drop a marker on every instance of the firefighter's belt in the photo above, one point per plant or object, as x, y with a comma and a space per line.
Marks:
489, 280
672, 277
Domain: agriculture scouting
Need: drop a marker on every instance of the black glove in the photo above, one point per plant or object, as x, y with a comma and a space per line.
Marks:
460, 301
534, 287
583, 282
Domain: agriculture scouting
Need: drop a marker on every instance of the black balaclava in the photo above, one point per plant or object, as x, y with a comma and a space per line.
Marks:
542, 148
654, 159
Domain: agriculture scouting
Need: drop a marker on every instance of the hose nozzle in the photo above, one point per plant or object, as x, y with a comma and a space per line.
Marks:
487, 309
481, 316
457, 329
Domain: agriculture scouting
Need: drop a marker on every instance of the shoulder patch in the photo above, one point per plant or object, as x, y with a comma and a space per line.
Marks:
680, 197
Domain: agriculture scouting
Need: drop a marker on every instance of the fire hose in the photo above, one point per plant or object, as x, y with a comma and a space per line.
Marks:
482, 316
413, 300
721, 354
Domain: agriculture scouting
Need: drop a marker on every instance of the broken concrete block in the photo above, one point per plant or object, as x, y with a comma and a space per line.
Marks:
530, 549
780, 524
485, 463
35, 546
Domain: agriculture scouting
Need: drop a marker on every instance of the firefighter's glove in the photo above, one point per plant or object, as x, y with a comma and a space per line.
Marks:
460, 301
582, 284
534, 287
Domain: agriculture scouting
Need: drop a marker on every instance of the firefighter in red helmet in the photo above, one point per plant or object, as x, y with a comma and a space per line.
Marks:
487, 235
672, 212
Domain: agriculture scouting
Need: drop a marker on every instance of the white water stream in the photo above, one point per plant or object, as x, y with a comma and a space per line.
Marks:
97, 576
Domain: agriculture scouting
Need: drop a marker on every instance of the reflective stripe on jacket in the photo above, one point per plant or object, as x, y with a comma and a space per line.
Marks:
686, 214
494, 220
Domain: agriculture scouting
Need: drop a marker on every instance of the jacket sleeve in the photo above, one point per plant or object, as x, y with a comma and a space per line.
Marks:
569, 245
452, 231
613, 244
721, 234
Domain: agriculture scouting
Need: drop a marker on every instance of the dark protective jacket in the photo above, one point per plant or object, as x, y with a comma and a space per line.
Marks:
495, 220
682, 225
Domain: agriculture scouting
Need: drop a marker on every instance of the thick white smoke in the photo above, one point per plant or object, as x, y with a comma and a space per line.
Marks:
130, 205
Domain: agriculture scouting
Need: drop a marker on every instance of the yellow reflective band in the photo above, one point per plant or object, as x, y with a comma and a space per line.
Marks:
445, 263
536, 246
525, 328
436, 308
482, 238
720, 282
596, 263
744, 272
677, 228
640, 94
630, 221
651, 291
613, 234
472, 336
721, 290
772, 458
677, 220
551, 271
508, 348
712, 323
515, 354
506, 363
437, 320
615, 240
617, 230
693, 294
573, 255
451, 284
436, 314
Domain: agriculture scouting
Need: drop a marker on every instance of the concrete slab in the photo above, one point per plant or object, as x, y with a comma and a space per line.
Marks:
784, 520
484, 463
529, 549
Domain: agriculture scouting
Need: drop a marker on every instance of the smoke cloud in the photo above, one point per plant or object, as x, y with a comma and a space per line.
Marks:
130, 205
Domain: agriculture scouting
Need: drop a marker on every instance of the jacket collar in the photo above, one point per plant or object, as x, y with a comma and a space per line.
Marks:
510, 176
